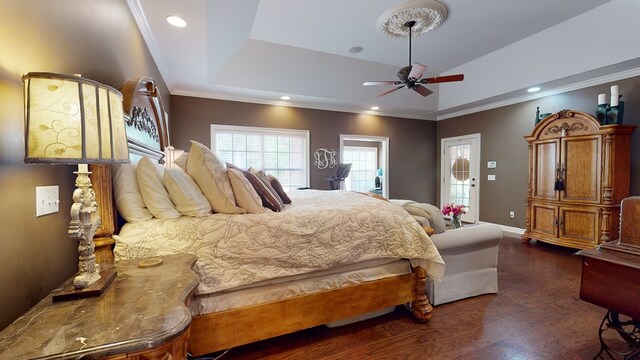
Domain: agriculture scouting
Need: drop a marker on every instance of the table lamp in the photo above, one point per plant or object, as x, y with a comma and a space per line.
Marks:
73, 120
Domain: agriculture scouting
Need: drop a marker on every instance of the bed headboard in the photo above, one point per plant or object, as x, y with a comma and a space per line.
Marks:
147, 130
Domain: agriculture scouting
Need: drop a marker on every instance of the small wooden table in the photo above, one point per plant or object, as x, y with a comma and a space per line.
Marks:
142, 314
610, 280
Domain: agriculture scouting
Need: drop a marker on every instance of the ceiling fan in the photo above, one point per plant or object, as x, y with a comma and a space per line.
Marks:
411, 76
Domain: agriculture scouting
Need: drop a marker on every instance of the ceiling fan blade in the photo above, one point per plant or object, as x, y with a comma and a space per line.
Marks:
422, 90
390, 91
416, 71
441, 79
370, 83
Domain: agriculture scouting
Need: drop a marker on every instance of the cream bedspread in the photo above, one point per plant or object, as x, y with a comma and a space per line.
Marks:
320, 230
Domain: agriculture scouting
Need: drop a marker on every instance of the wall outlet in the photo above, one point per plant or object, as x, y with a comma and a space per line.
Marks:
512, 214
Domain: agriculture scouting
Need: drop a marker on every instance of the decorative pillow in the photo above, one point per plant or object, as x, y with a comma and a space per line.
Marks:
185, 193
268, 196
428, 211
127, 194
181, 161
211, 176
246, 196
263, 178
275, 184
153, 192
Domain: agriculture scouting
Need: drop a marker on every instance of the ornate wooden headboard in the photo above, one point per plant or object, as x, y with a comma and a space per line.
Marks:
146, 124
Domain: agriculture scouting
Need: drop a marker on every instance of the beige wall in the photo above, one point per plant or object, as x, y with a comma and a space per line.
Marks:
411, 142
98, 39
502, 132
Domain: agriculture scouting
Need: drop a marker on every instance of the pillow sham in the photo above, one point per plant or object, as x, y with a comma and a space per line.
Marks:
428, 211
268, 196
181, 161
246, 196
155, 196
212, 178
185, 193
129, 201
265, 180
277, 186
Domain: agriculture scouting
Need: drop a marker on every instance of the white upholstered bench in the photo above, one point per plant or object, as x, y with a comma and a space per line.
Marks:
469, 253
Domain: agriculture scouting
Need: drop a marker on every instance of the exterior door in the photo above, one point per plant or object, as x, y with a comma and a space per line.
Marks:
460, 174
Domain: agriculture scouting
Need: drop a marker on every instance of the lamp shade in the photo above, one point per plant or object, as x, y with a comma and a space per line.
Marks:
73, 120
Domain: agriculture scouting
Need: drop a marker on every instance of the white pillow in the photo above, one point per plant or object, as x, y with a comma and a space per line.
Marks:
246, 195
153, 192
185, 193
212, 178
129, 201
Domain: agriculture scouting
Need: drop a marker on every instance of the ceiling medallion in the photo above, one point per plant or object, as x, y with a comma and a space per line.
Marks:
427, 14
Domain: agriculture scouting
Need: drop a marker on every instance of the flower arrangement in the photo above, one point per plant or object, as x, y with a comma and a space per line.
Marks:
454, 211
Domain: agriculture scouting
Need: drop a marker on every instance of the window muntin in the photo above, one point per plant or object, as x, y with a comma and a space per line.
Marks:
280, 152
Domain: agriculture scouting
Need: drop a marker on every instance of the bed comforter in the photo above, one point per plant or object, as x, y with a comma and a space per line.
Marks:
319, 230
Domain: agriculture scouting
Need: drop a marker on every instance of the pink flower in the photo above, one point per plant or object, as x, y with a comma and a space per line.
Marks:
453, 209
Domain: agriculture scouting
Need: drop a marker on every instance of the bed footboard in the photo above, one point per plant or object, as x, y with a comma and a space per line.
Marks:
231, 328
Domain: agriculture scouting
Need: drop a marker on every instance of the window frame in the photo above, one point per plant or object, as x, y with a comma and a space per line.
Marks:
372, 149
257, 130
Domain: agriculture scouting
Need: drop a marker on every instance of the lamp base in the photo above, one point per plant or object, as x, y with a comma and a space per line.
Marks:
68, 292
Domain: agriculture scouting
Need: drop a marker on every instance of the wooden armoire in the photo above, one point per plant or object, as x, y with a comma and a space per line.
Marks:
579, 171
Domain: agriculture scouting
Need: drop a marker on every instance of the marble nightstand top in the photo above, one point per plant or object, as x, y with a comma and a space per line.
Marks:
142, 308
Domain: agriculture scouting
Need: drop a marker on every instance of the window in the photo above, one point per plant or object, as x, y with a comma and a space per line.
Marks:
280, 152
364, 164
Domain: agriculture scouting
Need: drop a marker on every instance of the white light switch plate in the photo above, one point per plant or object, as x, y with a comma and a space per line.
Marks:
491, 164
491, 178
47, 200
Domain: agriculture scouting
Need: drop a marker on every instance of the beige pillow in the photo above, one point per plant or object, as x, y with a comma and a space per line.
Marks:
181, 161
129, 201
153, 192
428, 211
212, 178
246, 195
185, 193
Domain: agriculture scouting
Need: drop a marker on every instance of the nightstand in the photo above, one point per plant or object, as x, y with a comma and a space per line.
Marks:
142, 315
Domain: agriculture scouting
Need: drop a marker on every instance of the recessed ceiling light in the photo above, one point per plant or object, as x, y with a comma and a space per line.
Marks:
356, 49
285, 97
374, 108
176, 21
533, 89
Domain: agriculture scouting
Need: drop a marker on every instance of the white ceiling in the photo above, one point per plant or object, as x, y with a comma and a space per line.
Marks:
256, 51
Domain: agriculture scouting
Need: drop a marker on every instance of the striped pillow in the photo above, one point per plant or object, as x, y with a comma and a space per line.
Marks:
269, 198
265, 180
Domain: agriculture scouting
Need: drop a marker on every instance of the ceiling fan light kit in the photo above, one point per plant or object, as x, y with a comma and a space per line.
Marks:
427, 14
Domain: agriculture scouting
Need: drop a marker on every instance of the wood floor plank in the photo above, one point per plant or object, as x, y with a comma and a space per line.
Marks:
536, 315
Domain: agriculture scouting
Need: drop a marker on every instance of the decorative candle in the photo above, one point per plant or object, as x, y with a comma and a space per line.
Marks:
83, 168
614, 95
602, 99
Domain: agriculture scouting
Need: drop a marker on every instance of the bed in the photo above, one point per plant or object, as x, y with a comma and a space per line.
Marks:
260, 276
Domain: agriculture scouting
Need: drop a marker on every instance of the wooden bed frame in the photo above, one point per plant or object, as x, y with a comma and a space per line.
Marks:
222, 330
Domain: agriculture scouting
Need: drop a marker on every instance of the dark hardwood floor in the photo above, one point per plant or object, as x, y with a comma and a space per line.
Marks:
536, 315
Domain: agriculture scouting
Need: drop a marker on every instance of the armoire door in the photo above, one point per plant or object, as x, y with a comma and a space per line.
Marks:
545, 171
581, 224
580, 169
544, 219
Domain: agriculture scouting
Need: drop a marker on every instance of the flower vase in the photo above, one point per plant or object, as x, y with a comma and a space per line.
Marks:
455, 221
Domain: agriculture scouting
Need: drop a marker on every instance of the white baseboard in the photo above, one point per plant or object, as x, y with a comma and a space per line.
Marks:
508, 229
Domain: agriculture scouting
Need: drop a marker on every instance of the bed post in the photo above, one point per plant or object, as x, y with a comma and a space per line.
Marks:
103, 239
420, 307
